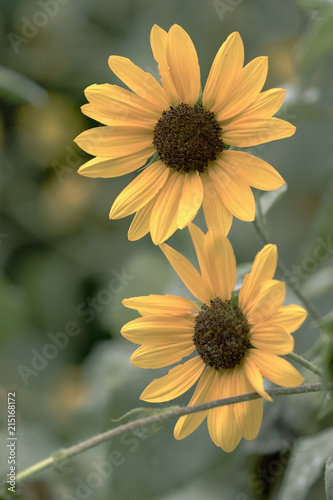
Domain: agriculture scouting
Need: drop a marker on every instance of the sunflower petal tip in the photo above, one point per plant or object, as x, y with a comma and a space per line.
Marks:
81, 171
77, 139
154, 239
272, 247
236, 34
182, 224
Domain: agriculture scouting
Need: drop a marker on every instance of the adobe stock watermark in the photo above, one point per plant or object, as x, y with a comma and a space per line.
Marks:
224, 8
296, 276
73, 160
30, 27
102, 470
75, 155
87, 309
265, 476
322, 252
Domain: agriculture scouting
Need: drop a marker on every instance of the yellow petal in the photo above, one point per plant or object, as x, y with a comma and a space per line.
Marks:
114, 142
251, 81
234, 192
161, 304
113, 105
270, 297
246, 132
159, 330
253, 171
183, 65
254, 376
158, 357
191, 199
101, 116
263, 268
216, 213
142, 83
221, 421
276, 369
187, 273
140, 225
118, 117
266, 104
271, 338
140, 191
290, 317
107, 96
224, 73
158, 41
189, 423
101, 167
198, 238
178, 380
220, 264
248, 415
163, 220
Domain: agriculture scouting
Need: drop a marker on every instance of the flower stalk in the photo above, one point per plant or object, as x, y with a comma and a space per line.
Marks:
64, 454
304, 362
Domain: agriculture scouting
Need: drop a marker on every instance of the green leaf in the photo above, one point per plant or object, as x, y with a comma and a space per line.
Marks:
17, 87
329, 476
138, 413
307, 462
267, 200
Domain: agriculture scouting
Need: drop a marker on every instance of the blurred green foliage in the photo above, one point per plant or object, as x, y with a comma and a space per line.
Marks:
61, 350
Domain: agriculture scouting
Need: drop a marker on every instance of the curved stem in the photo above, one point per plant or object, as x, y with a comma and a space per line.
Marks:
288, 276
167, 415
304, 362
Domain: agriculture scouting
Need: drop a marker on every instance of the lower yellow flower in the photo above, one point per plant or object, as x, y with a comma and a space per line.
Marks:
237, 340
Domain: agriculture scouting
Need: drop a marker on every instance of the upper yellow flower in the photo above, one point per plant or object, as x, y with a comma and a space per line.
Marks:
237, 342
188, 132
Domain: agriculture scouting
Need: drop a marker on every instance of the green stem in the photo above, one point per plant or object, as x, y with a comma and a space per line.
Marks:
304, 362
33, 469
288, 276
167, 415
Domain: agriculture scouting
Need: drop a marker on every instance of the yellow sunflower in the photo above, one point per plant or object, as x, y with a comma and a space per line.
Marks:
237, 340
186, 134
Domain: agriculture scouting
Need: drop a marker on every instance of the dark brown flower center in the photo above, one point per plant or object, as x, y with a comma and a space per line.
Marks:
221, 334
187, 138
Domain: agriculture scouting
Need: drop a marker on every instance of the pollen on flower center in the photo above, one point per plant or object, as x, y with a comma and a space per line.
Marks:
187, 138
221, 334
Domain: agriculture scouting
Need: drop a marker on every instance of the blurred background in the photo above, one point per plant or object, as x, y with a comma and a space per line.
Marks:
66, 267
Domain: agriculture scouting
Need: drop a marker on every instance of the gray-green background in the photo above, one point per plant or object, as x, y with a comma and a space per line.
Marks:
61, 255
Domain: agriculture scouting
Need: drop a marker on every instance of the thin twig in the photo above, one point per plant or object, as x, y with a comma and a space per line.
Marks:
304, 362
167, 415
